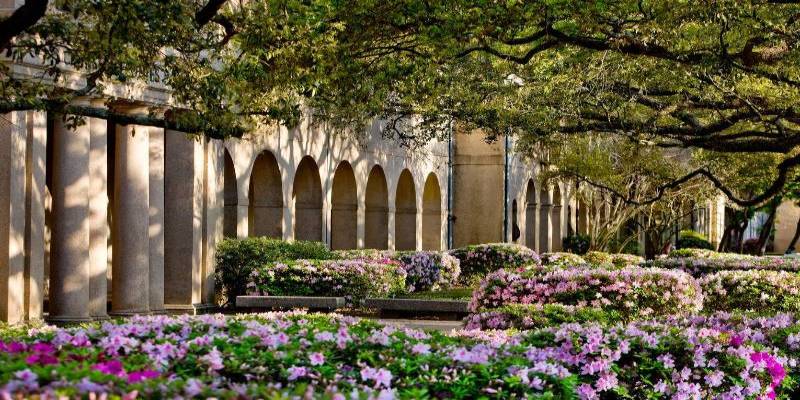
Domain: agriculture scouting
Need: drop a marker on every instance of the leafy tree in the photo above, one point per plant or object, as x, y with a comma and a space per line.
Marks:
721, 76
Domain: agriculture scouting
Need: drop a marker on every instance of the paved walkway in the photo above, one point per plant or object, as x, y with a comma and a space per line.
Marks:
424, 324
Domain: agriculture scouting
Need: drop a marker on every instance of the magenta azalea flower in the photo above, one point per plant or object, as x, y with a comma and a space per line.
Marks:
112, 367
138, 376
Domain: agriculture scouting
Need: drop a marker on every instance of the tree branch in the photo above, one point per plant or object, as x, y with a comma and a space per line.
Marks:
21, 20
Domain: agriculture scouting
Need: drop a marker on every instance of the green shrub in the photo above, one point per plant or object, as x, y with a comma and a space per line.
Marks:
353, 279
535, 316
755, 290
689, 239
623, 260
478, 260
598, 258
578, 244
562, 260
238, 258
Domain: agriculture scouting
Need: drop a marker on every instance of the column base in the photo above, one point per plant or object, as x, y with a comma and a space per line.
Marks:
191, 309
60, 321
128, 313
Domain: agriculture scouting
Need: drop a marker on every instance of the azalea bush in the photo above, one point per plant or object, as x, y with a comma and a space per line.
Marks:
236, 259
428, 270
702, 262
535, 316
353, 279
562, 260
478, 260
760, 291
296, 355
634, 292
425, 270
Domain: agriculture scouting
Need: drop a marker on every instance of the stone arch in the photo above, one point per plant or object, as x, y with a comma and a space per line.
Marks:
231, 197
405, 220
530, 215
344, 208
307, 197
376, 217
555, 218
432, 214
265, 212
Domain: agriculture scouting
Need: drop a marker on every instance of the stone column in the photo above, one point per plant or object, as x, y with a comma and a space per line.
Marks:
556, 222
13, 138
545, 228
98, 217
156, 229
69, 272
391, 219
131, 267
214, 213
36, 154
288, 219
361, 221
242, 218
418, 217
183, 221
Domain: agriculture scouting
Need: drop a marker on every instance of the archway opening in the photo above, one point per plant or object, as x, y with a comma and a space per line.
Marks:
265, 213
231, 198
555, 219
376, 223
307, 196
432, 214
344, 207
405, 220
530, 215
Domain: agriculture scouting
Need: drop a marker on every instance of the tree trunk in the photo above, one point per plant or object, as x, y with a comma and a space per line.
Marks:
724, 243
766, 230
740, 235
790, 249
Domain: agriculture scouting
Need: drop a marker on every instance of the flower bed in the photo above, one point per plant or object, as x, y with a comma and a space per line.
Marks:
353, 279
702, 262
237, 258
535, 316
310, 356
425, 270
478, 260
562, 260
760, 291
633, 292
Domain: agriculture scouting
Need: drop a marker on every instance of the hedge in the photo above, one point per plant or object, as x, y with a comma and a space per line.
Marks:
353, 279
236, 259
562, 260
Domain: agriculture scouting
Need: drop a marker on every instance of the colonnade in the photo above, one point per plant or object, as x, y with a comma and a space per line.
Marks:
105, 219
351, 211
